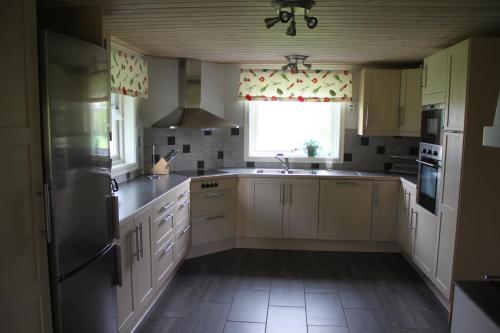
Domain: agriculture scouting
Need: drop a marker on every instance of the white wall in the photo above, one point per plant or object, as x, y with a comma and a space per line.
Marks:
163, 89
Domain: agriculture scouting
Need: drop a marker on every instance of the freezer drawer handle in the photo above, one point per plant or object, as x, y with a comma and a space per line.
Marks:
167, 206
215, 194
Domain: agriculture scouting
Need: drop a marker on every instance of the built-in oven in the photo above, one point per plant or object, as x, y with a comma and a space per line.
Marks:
429, 172
432, 122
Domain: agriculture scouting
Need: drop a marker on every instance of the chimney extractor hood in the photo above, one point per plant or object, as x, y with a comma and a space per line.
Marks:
491, 135
190, 113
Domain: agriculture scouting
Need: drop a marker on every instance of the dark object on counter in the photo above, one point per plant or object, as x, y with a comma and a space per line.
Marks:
114, 185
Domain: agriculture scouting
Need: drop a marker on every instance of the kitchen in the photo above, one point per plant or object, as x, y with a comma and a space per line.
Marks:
189, 167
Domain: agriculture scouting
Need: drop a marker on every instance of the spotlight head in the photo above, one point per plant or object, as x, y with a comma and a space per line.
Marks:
294, 69
285, 16
308, 66
311, 21
285, 67
271, 21
291, 30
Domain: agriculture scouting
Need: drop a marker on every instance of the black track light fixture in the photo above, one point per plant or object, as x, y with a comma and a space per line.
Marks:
293, 63
285, 16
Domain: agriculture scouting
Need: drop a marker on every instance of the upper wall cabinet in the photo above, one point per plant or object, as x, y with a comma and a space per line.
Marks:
389, 102
458, 61
434, 78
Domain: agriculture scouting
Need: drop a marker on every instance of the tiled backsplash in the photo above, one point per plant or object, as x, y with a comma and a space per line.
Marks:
223, 148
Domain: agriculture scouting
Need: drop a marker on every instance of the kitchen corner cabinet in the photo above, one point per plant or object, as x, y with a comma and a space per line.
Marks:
137, 268
345, 209
300, 213
410, 103
385, 211
424, 253
379, 102
407, 204
434, 78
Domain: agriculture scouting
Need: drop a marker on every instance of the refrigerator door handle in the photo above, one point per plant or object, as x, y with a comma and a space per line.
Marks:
118, 266
141, 251
114, 221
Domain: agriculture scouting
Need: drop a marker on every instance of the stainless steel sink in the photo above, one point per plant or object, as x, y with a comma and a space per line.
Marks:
283, 172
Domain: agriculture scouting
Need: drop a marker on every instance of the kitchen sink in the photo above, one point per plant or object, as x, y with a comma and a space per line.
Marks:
283, 172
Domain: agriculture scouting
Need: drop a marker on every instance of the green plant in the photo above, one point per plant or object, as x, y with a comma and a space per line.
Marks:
311, 148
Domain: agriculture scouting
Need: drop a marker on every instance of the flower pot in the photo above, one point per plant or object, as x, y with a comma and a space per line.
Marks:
311, 151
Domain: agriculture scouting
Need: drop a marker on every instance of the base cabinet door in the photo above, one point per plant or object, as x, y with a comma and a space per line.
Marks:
143, 272
263, 207
424, 254
345, 209
127, 306
385, 211
300, 218
407, 201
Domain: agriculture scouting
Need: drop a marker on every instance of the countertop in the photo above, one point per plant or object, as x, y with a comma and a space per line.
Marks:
137, 193
486, 294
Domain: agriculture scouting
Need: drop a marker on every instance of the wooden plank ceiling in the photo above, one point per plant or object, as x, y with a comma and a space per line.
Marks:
349, 31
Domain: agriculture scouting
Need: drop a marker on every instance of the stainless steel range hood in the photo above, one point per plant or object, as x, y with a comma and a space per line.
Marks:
190, 113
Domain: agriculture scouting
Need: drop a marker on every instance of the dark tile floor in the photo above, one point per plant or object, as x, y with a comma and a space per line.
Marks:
257, 291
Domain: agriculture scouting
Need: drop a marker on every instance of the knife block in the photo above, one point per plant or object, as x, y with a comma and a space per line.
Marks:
162, 167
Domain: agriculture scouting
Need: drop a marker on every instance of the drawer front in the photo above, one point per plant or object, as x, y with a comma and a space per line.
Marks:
163, 228
212, 202
182, 210
164, 204
212, 228
164, 261
182, 239
213, 184
182, 192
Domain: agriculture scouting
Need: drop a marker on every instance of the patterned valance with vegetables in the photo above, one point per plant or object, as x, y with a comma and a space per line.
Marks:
304, 86
129, 72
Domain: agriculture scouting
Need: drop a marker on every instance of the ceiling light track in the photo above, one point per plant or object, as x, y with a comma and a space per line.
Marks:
286, 13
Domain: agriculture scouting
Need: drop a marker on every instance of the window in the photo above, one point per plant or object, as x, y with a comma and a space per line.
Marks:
123, 144
284, 127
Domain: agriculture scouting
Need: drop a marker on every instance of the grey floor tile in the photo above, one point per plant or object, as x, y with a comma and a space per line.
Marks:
287, 292
327, 329
207, 318
320, 283
254, 282
178, 301
286, 319
365, 321
250, 306
161, 325
240, 327
324, 309
221, 289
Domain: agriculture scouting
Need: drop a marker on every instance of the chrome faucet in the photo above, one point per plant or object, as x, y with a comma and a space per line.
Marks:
285, 162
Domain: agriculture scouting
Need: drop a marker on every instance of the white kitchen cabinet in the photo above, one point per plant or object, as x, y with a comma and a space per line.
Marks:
458, 62
424, 253
137, 269
345, 209
407, 203
379, 102
410, 103
300, 218
385, 211
450, 184
434, 78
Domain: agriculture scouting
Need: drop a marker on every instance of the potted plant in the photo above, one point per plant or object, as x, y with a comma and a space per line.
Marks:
311, 148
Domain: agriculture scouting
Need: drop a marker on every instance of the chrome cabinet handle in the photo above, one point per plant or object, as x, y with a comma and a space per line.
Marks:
407, 208
46, 202
184, 194
428, 164
167, 206
165, 219
346, 183
215, 217
185, 230
167, 249
184, 204
141, 241
137, 245
367, 114
411, 219
215, 194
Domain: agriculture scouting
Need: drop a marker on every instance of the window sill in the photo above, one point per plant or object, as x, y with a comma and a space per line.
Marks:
317, 159
123, 168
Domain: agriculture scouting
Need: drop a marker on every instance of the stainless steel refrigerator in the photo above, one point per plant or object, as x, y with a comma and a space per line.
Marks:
81, 209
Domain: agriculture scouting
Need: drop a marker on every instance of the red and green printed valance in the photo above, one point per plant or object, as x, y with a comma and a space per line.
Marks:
129, 72
305, 86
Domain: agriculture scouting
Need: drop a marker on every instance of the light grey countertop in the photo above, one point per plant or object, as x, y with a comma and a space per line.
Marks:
137, 193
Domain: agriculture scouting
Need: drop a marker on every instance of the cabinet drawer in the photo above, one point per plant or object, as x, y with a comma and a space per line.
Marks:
164, 261
163, 228
182, 239
209, 185
164, 204
182, 210
212, 202
212, 228
182, 192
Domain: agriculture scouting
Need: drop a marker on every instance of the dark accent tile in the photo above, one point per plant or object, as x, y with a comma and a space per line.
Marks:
240, 327
156, 158
250, 164
220, 155
201, 165
387, 166
327, 329
207, 132
365, 141
249, 306
324, 309
207, 317
286, 319
347, 157
171, 140
186, 149
235, 131
413, 151
380, 150
315, 166
287, 292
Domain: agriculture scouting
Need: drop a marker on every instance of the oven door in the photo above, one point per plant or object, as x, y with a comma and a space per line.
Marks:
431, 126
428, 179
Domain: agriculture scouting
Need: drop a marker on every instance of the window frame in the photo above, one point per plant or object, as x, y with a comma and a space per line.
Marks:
305, 159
